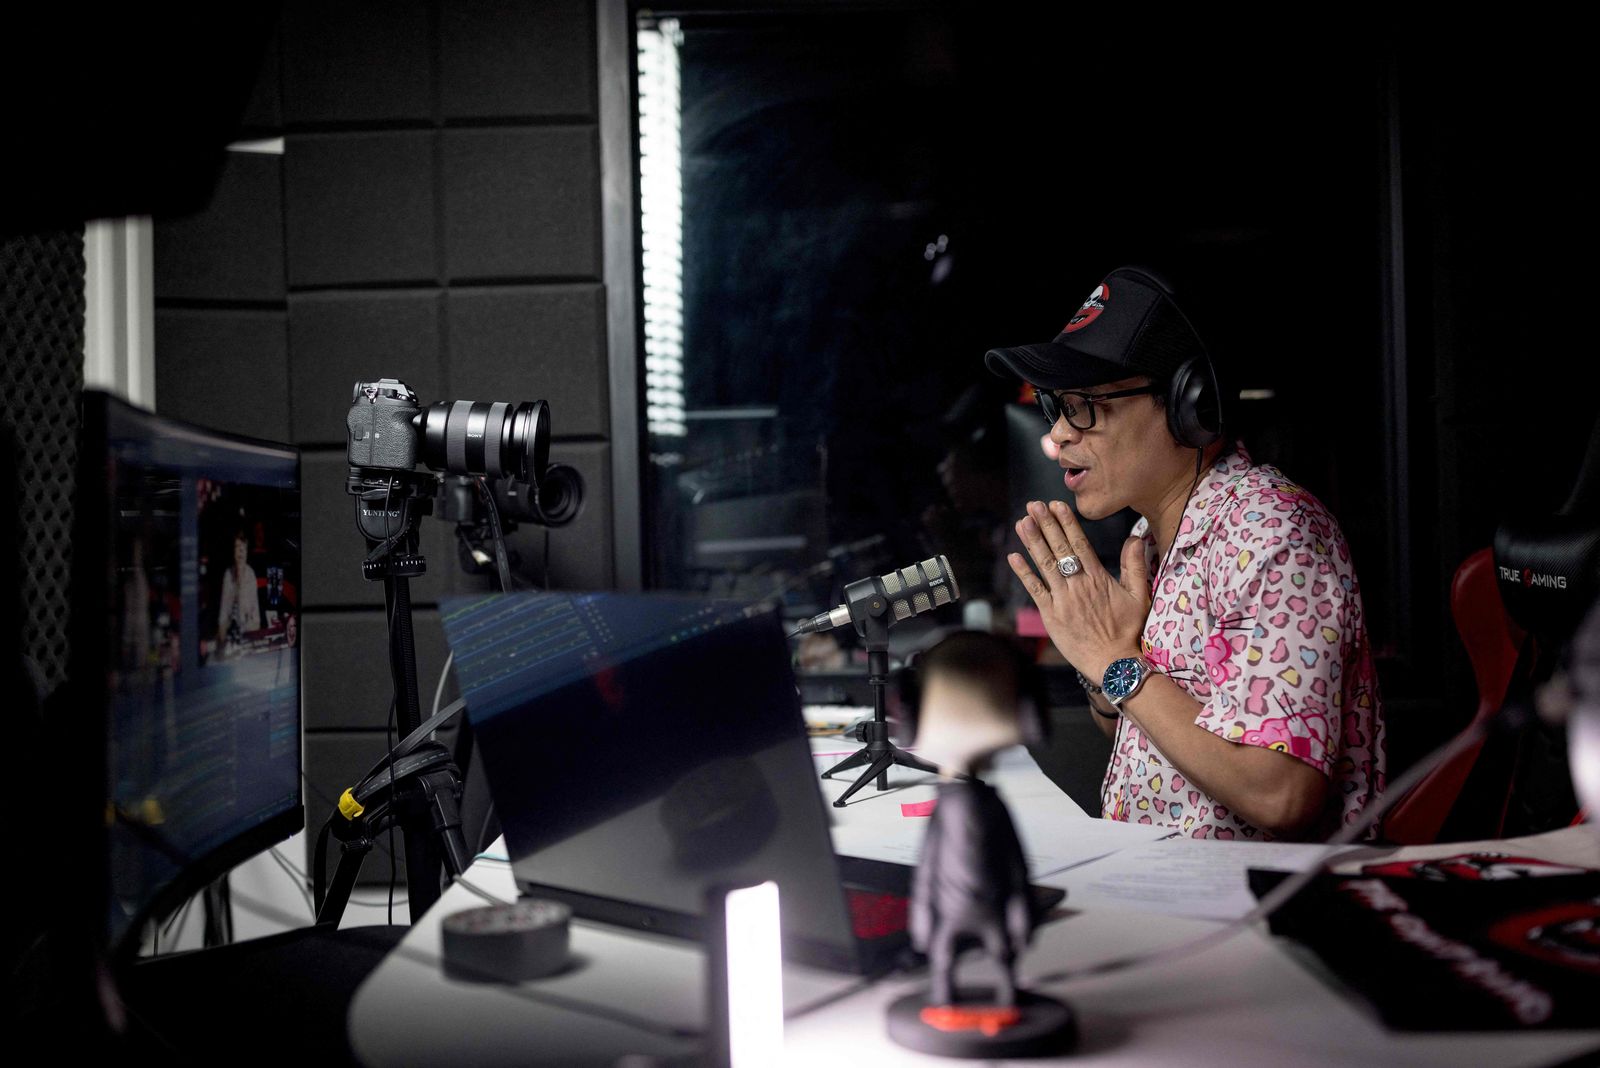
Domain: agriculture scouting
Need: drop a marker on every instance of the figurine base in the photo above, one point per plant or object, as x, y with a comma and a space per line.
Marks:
975, 1028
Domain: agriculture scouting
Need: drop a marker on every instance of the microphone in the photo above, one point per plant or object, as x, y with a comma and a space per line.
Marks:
900, 595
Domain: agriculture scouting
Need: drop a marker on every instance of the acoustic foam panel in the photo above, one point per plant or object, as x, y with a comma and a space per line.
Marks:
338, 339
528, 343
360, 209
345, 667
263, 112
356, 62
522, 204
232, 250
224, 369
511, 59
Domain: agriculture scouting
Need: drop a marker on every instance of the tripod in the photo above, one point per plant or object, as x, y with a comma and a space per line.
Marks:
417, 786
868, 608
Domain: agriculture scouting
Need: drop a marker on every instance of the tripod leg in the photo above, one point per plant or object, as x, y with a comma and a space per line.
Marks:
854, 760
442, 788
909, 760
344, 880
880, 767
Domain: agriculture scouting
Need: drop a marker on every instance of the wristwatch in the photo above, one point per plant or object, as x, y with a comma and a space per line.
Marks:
1123, 678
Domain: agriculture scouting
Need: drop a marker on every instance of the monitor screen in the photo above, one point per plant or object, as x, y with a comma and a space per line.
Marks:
187, 568
642, 749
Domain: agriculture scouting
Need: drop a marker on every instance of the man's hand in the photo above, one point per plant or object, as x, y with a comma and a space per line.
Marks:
1091, 617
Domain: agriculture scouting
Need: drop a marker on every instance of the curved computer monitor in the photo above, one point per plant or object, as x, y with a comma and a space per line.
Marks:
186, 659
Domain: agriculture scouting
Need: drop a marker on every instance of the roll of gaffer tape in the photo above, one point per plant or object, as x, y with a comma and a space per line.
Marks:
506, 943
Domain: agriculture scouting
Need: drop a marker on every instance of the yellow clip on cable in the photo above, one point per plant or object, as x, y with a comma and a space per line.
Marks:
349, 807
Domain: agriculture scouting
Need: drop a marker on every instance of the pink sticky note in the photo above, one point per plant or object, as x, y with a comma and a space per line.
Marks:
919, 808
1030, 624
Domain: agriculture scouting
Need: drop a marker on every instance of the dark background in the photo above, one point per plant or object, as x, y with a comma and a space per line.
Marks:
436, 216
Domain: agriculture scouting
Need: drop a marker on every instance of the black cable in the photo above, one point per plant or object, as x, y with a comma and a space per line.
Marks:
323, 799
300, 879
502, 560
388, 733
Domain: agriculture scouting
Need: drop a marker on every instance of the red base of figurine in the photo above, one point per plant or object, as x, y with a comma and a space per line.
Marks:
975, 1027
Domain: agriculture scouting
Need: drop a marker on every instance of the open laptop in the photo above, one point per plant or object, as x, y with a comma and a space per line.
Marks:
642, 749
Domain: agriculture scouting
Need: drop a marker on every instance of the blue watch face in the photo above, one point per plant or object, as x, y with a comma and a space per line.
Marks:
1123, 677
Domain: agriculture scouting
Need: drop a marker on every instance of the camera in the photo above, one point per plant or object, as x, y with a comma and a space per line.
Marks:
390, 430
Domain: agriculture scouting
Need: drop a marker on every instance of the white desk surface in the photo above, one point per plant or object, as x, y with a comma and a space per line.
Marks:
1251, 1000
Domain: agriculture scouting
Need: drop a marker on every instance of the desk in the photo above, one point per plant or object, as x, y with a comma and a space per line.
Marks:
1251, 1000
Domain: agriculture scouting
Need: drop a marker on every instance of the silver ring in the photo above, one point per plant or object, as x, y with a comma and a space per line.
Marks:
1069, 566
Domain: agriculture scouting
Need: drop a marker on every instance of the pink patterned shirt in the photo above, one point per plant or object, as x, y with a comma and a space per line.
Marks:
1258, 617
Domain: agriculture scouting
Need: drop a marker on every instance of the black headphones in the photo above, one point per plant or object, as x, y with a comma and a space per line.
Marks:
1194, 399
1032, 704
1194, 403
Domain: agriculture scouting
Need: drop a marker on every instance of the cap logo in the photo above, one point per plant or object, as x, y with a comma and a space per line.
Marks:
1091, 309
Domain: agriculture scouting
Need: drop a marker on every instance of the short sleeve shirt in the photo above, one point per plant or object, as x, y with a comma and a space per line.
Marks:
1256, 615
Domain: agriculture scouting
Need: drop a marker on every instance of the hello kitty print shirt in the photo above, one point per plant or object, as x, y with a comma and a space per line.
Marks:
1257, 615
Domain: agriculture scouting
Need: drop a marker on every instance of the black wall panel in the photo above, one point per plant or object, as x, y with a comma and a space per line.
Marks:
337, 339
360, 209
532, 342
514, 59
346, 668
522, 203
434, 217
226, 369
263, 112
580, 552
233, 250
357, 62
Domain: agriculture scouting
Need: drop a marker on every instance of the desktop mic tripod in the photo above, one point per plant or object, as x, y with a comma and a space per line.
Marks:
417, 786
868, 608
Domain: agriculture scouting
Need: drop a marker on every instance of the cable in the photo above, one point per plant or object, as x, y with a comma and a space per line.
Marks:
502, 561
299, 877
378, 845
388, 734
1280, 894
305, 881
438, 691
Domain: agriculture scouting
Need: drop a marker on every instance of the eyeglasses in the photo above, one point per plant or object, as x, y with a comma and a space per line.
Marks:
1078, 407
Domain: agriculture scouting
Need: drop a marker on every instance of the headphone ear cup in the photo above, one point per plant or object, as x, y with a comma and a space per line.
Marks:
1194, 411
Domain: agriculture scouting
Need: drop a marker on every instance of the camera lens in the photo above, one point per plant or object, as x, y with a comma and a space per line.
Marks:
487, 438
560, 495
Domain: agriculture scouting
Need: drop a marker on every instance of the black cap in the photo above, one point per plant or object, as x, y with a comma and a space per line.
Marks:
1129, 326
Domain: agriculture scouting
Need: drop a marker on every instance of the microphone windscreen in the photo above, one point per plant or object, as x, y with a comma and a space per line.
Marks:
919, 588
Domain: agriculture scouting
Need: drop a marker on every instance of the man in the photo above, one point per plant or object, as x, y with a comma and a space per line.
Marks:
1230, 661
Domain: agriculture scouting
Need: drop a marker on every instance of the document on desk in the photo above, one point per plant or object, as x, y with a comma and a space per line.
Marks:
1055, 832
1198, 878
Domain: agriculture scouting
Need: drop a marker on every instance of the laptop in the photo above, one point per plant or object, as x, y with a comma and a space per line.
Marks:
643, 749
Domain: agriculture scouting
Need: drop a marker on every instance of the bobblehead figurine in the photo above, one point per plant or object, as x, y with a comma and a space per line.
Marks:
971, 699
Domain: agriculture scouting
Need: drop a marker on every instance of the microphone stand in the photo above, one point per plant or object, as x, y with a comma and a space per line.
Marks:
868, 607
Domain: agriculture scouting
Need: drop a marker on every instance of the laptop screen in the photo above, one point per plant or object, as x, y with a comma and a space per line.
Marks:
642, 749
